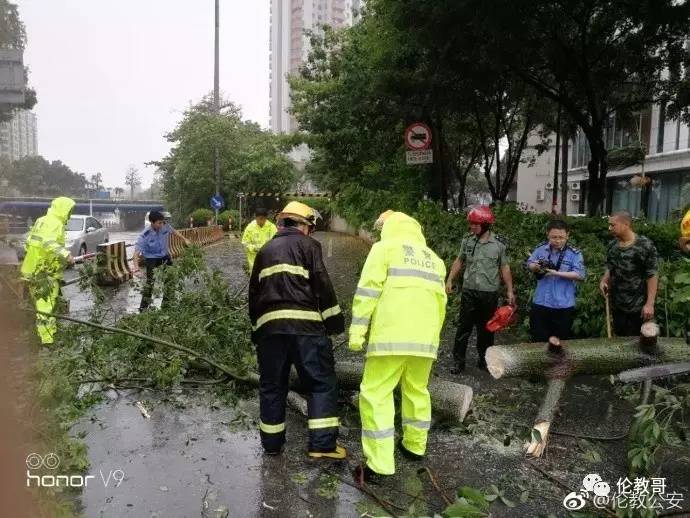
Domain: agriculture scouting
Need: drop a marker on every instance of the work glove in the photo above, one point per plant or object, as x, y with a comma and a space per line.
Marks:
356, 343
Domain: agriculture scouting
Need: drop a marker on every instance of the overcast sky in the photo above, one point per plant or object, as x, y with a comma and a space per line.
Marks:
113, 76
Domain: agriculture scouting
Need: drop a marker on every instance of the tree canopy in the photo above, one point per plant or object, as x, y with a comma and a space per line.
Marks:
36, 176
482, 74
250, 158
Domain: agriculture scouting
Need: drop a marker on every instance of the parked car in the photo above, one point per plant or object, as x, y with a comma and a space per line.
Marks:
83, 234
165, 213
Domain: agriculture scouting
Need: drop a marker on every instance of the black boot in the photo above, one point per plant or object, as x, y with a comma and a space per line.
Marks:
407, 453
364, 474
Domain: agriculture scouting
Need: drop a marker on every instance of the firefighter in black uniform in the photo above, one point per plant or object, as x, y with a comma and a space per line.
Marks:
293, 309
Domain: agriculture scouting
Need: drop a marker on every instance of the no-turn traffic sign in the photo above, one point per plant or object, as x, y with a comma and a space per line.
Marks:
417, 136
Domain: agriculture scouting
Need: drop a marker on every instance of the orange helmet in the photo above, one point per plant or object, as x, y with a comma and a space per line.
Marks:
481, 214
503, 317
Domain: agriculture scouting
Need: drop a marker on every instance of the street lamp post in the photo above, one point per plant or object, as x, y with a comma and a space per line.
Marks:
216, 97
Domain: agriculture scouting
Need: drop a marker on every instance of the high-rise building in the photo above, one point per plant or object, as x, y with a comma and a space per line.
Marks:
18, 137
289, 46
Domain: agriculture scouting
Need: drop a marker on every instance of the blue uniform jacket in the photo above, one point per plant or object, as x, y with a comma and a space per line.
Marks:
556, 292
154, 245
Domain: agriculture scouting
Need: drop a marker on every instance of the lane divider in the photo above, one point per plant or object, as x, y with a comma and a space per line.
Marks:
111, 258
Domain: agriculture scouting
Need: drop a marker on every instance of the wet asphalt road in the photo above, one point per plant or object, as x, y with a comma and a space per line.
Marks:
197, 457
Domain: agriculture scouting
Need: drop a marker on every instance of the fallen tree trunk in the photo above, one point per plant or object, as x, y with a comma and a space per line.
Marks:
449, 400
547, 411
588, 356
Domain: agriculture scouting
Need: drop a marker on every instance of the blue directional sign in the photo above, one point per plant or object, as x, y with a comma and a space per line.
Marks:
217, 202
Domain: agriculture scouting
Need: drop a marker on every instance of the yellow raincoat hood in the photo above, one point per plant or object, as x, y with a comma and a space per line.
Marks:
401, 226
61, 208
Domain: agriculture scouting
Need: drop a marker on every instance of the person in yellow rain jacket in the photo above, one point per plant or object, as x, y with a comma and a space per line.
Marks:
257, 234
401, 301
684, 241
44, 263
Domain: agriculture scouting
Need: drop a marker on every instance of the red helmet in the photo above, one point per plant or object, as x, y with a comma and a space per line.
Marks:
481, 214
503, 317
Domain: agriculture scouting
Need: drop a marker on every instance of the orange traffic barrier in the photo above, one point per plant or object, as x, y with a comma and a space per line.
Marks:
112, 264
176, 244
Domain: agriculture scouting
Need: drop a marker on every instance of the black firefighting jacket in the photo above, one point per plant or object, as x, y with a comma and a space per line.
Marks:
290, 291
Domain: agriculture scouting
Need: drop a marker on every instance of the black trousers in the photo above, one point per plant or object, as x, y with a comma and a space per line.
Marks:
313, 360
545, 322
626, 323
151, 265
476, 309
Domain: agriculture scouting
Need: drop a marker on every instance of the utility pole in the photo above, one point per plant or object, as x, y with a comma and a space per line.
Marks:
216, 96
557, 154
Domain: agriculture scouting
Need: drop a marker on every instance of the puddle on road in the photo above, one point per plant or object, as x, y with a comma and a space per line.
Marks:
190, 452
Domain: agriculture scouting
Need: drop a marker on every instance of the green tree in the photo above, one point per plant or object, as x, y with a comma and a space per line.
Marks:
250, 159
96, 181
352, 127
132, 180
35, 176
362, 86
594, 57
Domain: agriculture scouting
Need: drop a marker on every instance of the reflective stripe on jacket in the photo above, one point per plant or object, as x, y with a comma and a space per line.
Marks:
401, 297
45, 244
290, 291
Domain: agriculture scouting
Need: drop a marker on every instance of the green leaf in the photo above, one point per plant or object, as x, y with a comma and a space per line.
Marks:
463, 510
474, 496
524, 496
592, 455
682, 278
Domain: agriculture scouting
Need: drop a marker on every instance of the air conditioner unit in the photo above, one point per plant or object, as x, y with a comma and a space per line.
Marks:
574, 186
549, 186
575, 197
540, 195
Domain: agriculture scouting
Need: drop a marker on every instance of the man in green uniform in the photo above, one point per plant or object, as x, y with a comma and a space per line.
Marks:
485, 262
631, 277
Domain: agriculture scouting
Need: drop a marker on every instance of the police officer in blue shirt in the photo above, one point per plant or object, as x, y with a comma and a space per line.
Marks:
557, 267
152, 245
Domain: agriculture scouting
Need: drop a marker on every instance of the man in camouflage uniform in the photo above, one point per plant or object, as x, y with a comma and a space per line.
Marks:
631, 277
485, 263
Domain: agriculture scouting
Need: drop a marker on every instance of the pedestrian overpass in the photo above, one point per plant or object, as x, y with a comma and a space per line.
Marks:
131, 212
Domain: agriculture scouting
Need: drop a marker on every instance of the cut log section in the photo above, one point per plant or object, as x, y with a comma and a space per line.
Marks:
649, 336
587, 356
540, 432
448, 400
